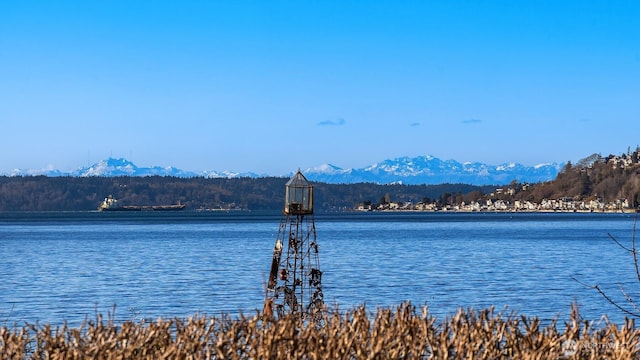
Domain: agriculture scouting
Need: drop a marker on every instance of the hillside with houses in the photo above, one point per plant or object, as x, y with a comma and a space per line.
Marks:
594, 184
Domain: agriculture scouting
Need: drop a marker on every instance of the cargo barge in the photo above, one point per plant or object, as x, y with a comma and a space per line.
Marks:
111, 204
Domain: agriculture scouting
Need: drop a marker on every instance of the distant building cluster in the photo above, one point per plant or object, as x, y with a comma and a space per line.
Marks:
550, 205
495, 202
624, 160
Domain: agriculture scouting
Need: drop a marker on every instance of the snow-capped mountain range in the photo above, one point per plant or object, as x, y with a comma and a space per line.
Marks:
404, 170
431, 170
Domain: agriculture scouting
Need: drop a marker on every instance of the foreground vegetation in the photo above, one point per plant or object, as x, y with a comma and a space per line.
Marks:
404, 332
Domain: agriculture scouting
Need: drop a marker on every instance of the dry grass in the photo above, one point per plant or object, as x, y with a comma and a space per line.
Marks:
400, 333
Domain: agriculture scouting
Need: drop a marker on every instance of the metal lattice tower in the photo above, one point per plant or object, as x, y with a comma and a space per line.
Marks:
295, 283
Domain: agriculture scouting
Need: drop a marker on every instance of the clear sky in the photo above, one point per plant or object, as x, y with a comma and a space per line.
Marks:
272, 86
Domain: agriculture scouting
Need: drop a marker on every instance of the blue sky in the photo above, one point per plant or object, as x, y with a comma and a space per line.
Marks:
272, 86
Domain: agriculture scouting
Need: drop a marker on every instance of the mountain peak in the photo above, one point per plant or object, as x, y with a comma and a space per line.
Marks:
117, 162
110, 166
325, 168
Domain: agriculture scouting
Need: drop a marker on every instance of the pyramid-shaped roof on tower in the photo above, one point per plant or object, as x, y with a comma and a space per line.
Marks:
298, 180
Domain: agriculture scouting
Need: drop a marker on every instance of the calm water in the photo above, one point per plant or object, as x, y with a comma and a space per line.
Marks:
68, 266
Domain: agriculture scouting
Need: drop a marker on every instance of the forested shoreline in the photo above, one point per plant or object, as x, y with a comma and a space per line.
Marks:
41, 193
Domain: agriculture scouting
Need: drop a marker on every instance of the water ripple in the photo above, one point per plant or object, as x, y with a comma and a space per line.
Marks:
69, 270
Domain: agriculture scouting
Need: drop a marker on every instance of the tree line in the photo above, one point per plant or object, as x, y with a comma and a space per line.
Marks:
42, 193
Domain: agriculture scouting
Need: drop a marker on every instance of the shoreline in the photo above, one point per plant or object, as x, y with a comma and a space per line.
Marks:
561, 211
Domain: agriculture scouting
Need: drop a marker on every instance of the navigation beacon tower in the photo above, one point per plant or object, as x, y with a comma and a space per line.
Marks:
295, 284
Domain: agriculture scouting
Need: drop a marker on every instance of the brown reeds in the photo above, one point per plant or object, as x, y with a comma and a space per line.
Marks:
400, 333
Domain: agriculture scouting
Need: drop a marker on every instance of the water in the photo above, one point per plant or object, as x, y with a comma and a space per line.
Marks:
57, 267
